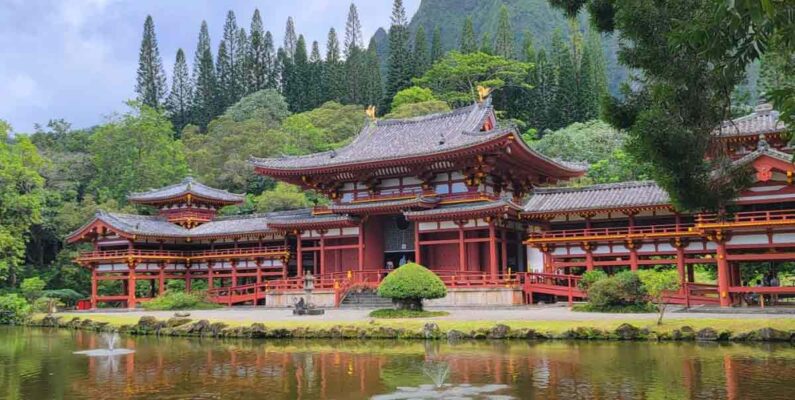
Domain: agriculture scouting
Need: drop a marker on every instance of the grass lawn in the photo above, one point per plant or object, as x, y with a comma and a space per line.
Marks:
736, 325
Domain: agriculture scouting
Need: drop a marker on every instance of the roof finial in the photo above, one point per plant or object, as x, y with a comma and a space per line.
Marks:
370, 111
483, 93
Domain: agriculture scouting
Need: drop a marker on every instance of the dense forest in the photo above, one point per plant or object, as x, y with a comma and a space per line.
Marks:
551, 65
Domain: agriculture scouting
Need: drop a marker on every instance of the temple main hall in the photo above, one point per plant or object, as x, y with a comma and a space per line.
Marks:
458, 193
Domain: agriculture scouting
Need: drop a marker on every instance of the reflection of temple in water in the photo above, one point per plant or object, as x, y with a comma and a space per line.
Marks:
352, 370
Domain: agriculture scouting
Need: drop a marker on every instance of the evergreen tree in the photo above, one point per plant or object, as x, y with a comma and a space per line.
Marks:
282, 69
528, 47
596, 57
543, 80
355, 61
180, 100
224, 77
486, 45
241, 71
205, 95
231, 86
290, 41
257, 60
269, 60
334, 71
373, 86
421, 57
503, 42
468, 42
564, 106
353, 31
436, 45
399, 64
151, 82
315, 93
296, 92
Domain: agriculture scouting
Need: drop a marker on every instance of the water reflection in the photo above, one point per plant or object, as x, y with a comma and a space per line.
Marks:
39, 364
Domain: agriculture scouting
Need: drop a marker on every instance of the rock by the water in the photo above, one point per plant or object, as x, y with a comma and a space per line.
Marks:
707, 335
627, 332
499, 331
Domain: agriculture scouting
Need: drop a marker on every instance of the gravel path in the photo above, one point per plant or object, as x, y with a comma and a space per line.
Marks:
546, 313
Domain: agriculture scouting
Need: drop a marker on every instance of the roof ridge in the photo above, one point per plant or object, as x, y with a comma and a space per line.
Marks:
599, 186
428, 117
189, 182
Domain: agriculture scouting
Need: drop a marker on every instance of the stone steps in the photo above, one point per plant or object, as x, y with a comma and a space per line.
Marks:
365, 299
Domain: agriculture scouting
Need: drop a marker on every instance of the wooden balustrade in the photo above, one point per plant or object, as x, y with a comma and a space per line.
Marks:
187, 255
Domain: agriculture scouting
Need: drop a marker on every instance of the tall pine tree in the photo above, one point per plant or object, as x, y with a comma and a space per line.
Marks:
373, 90
296, 91
468, 42
257, 59
223, 74
180, 99
422, 60
503, 42
334, 69
151, 82
486, 44
205, 95
231, 82
436, 45
355, 61
290, 40
241, 73
269, 60
564, 110
399, 63
315, 93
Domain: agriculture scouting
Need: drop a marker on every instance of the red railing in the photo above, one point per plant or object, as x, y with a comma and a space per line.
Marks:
137, 253
179, 213
746, 217
576, 234
558, 285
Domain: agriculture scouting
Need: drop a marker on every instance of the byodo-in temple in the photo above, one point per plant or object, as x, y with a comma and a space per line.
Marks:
461, 195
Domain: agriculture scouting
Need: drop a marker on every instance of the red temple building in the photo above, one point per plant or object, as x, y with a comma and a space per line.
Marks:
459, 194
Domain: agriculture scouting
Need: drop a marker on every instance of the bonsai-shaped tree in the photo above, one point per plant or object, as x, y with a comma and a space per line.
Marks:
408, 285
656, 284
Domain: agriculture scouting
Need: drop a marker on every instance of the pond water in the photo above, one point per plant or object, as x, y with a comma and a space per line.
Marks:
41, 364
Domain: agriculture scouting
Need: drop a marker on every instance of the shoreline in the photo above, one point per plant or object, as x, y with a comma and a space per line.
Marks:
349, 324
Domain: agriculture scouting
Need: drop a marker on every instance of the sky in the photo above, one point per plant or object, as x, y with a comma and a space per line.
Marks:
77, 59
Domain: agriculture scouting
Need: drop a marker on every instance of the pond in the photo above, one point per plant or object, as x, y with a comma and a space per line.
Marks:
41, 364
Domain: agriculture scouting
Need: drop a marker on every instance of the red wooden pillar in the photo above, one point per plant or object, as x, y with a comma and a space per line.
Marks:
723, 275
588, 257
131, 285
504, 249
361, 246
680, 266
633, 255
417, 249
492, 249
94, 286
161, 279
234, 273
210, 282
462, 259
187, 278
322, 266
259, 270
299, 255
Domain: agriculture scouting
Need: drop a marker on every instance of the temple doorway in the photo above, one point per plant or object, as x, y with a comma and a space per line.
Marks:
398, 241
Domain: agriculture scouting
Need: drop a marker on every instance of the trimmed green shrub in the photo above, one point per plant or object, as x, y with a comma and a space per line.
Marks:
623, 289
408, 285
14, 309
589, 277
31, 288
67, 296
180, 301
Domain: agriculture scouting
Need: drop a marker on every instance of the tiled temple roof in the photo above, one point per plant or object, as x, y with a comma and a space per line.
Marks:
762, 121
596, 197
187, 186
419, 201
763, 149
408, 138
462, 209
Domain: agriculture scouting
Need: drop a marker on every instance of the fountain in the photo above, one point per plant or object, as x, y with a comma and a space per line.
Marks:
438, 372
110, 339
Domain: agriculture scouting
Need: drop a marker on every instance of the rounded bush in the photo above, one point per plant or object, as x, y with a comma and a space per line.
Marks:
620, 290
408, 285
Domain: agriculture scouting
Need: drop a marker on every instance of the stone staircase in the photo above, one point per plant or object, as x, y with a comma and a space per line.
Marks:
364, 298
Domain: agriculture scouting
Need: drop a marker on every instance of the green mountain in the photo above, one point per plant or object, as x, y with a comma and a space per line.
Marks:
537, 16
